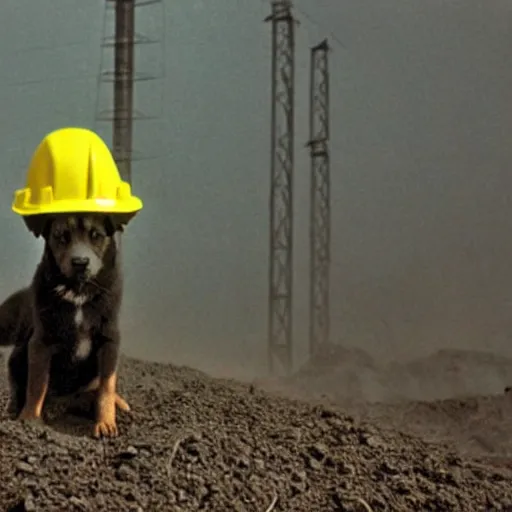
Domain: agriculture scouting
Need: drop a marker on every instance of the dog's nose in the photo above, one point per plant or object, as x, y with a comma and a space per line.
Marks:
79, 263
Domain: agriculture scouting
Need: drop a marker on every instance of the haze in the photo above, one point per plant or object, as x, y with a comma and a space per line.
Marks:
421, 159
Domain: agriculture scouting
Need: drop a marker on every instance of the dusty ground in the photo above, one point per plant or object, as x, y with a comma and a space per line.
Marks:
194, 443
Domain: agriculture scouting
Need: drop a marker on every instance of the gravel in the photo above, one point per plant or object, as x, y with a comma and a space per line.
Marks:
196, 443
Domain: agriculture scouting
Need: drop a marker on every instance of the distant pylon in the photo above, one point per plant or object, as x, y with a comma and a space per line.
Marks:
320, 214
280, 324
119, 74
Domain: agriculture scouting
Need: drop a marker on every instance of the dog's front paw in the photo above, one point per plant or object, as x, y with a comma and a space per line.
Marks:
106, 420
105, 429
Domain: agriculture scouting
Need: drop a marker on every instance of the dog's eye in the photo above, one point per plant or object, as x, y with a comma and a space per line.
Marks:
96, 235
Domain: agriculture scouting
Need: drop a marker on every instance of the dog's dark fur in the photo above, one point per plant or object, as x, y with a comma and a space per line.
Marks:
69, 314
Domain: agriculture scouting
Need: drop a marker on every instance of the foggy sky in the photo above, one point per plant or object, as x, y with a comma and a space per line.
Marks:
421, 119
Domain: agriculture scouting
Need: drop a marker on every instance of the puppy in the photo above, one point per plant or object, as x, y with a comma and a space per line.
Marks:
64, 327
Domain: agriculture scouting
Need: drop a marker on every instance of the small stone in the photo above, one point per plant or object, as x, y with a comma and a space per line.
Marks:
130, 453
25, 467
314, 464
299, 476
126, 474
78, 502
59, 450
29, 504
371, 440
194, 438
259, 464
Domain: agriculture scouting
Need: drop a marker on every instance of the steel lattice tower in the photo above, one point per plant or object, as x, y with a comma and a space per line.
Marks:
123, 77
122, 132
280, 342
320, 213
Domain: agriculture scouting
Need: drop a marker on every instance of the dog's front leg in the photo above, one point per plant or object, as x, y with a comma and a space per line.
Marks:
107, 393
120, 401
39, 359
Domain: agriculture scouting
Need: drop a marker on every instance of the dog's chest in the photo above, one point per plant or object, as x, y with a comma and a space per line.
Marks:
83, 339
80, 320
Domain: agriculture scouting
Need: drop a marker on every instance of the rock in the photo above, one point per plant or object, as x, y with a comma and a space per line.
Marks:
126, 474
29, 504
25, 467
79, 503
130, 453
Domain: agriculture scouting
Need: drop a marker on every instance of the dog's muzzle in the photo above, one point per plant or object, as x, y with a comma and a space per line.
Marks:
80, 267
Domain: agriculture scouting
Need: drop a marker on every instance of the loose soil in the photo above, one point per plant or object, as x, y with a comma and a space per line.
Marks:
196, 443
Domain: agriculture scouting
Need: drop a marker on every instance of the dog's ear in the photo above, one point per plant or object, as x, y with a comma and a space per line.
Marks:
39, 225
46, 229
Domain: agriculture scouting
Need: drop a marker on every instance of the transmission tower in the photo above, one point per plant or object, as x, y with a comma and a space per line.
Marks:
320, 213
118, 72
280, 342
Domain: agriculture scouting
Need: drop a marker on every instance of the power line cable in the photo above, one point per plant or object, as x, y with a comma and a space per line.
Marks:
42, 48
25, 83
330, 33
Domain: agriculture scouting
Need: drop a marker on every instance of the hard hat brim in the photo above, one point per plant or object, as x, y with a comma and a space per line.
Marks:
106, 206
36, 223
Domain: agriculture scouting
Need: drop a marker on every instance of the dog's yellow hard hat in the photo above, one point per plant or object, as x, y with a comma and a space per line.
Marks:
72, 170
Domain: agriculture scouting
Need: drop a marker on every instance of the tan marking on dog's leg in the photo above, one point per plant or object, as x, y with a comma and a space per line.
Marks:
106, 407
120, 401
39, 358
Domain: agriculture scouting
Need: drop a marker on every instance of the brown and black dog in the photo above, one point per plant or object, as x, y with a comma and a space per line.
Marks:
64, 327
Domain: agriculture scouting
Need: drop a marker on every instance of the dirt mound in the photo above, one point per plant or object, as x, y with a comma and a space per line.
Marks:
345, 374
350, 375
478, 426
195, 443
